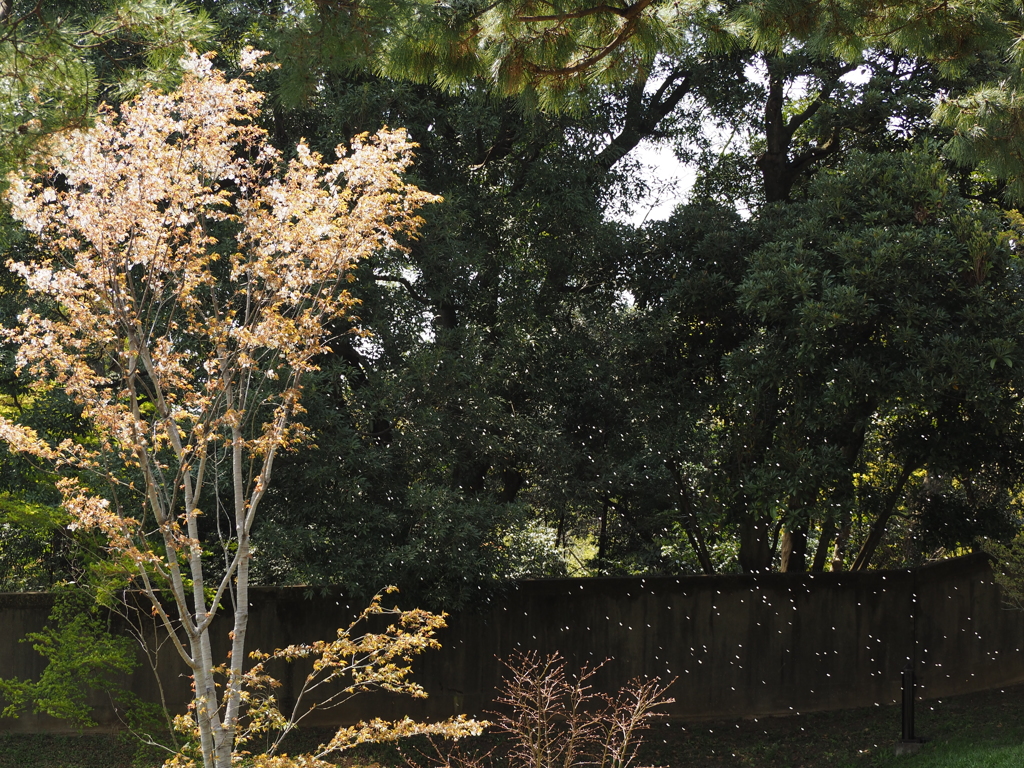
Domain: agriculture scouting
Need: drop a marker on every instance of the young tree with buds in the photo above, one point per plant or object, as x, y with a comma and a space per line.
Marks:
190, 278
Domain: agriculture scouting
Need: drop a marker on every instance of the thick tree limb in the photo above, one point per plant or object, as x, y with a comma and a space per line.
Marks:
644, 114
878, 529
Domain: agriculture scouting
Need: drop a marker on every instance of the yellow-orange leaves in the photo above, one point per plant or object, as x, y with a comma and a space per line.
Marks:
195, 271
190, 275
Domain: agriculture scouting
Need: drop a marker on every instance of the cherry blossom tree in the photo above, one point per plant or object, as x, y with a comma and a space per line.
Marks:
188, 277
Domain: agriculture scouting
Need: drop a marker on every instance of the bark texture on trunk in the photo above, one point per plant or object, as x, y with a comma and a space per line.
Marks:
793, 555
755, 544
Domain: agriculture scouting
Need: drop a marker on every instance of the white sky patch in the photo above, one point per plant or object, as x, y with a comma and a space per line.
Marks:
859, 76
668, 182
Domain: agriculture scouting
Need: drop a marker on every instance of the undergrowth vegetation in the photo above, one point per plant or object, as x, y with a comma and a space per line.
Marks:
975, 731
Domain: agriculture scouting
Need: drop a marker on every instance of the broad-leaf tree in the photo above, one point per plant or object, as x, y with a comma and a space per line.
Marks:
511, 378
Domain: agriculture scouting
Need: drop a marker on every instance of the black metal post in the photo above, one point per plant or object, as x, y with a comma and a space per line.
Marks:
910, 744
909, 694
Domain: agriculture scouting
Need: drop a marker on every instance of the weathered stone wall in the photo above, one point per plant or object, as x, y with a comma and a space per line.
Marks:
736, 645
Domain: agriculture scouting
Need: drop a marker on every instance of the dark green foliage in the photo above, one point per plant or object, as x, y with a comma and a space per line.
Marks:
425, 431
819, 347
702, 395
35, 549
83, 658
881, 306
1008, 565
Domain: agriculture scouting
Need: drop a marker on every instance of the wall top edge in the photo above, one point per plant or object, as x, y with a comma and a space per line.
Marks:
977, 562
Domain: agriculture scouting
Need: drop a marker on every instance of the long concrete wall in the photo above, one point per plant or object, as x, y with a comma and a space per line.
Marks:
735, 645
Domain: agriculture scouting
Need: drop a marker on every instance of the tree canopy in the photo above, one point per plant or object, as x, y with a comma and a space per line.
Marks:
812, 364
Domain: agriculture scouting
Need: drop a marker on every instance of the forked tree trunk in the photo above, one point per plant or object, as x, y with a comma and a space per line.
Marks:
691, 526
828, 534
878, 529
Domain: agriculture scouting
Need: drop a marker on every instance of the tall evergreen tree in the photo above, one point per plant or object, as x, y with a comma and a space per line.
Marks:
665, 398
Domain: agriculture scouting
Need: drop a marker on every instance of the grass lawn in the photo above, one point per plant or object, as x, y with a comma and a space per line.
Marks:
983, 730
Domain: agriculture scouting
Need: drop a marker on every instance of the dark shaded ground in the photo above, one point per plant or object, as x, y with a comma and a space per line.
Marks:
862, 738
865, 738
